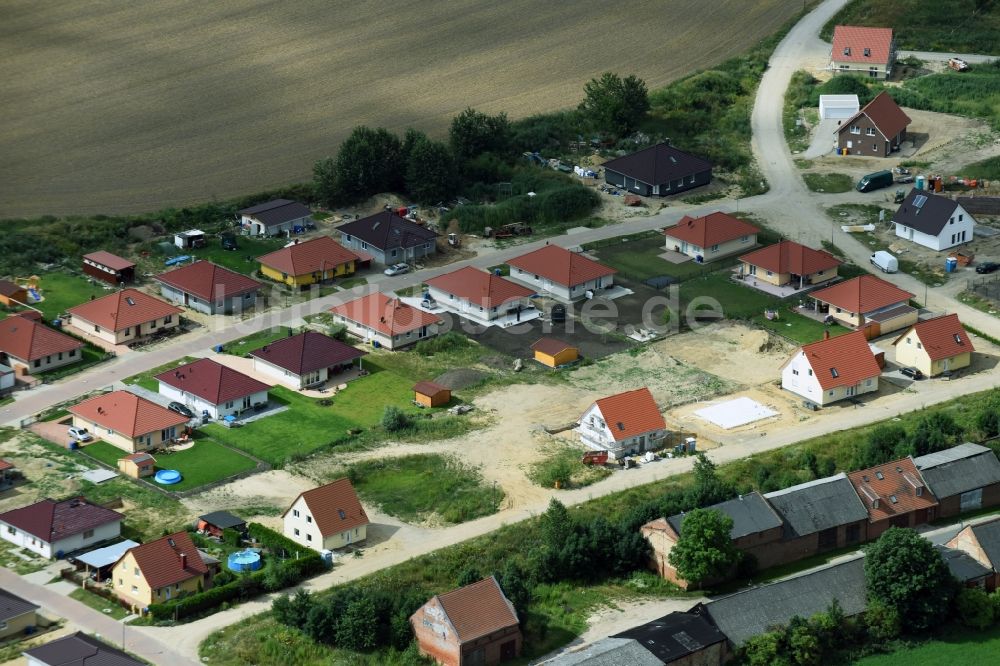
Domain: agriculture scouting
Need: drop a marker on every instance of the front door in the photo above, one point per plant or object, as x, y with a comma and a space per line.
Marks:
946, 364
852, 390
684, 247
508, 650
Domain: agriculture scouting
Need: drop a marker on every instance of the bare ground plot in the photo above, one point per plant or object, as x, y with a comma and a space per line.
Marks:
173, 104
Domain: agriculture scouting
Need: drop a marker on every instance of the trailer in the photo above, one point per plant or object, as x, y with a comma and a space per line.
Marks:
595, 458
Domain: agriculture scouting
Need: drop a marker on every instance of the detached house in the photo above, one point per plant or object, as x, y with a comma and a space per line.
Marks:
387, 321
623, 424
982, 543
327, 518
274, 218
307, 359
711, 237
28, 346
894, 495
789, 263
160, 570
963, 478
208, 386
480, 295
301, 264
832, 369
127, 421
54, 529
473, 625
125, 316
659, 170
208, 288
559, 273
17, 615
388, 238
933, 221
866, 51
869, 303
877, 130
935, 346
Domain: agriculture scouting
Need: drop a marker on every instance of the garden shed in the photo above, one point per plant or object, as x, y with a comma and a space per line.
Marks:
429, 394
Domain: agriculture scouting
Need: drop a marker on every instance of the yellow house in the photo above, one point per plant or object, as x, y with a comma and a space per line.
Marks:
159, 571
303, 263
16, 615
935, 346
788, 262
554, 353
125, 420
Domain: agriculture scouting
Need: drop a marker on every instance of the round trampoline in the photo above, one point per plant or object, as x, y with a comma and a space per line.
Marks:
244, 560
168, 477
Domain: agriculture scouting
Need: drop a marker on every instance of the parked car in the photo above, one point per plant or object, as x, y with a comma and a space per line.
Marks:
80, 434
181, 409
558, 313
397, 269
987, 267
912, 373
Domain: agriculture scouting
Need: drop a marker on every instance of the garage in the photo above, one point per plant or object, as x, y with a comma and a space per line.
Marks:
838, 107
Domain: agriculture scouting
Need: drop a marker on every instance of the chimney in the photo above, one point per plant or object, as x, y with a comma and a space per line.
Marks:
184, 560
826, 334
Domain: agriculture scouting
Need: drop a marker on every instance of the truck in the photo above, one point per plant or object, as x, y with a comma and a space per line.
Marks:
885, 262
874, 181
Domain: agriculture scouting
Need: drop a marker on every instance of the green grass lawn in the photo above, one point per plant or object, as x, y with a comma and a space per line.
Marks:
236, 260
99, 603
145, 379
959, 646
988, 168
257, 340
737, 301
828, 182
62, 290
798, 327
638, 258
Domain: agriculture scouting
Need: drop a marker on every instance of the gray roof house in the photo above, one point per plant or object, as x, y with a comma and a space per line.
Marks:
962, 565
933, 221
388, 238
16, 614
659, 170
274, 217
78, 649
750, 513
963, 478
818, 505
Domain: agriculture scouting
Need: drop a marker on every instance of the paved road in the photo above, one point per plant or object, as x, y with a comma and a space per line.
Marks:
932, 56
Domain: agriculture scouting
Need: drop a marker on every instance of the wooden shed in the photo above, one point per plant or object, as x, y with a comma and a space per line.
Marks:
430, 394
553, 353
109, 268
137, 465
12, 294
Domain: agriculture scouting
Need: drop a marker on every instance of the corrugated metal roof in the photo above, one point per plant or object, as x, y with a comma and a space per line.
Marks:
818, 505
959, 469
750, 513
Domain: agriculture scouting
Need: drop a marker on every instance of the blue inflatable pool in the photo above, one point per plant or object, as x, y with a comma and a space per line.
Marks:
168, 477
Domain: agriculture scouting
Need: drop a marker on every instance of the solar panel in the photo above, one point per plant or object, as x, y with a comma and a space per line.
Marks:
920, 200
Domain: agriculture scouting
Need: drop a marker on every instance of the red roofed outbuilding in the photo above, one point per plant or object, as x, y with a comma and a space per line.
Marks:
560, 273
208, 386
895, 495
125, 316
935, 346
788, 262
386, 320
832, 369
870, 52
474, 293
711, 236
109, 268
877, 130
623, 424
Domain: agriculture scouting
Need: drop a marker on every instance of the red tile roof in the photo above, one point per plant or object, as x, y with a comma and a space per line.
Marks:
8, 288
551, 346
894, 487
884, 113
561, 266
127, 413
311, 256
479, 287
5, 464
390, 316
27, 339
843, 360
52, 521
877, 40
208, 281
478, 609
211, 381
429, 388
712, 229
790, 257
942, 337
335, 507
862, 294
631, 413
307, 352
160, 561
112, 261
124, 309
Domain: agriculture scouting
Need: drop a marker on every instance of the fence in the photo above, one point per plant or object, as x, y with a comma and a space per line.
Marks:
987, 287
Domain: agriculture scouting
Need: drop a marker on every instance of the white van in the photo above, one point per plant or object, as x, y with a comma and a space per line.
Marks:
885, 261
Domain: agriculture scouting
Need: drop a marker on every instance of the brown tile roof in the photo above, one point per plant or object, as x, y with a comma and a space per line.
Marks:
30, 315
942, 337
52, 521
27, 339
843, 360
306, 352
479, 287
658, 164
390, 316
478, 609
884, 113
160, 561
124, 309
631, 413
127, 414
208, 281
311, 256
335, 507
857, 39
561, 266
708, 230
551, 346
429, 388
8, 288
211, 381
862, 294
894, 487
112, 261
790, 257
5, 464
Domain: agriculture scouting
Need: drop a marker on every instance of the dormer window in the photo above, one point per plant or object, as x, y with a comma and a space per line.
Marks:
847, 50
833, 371
868, 53
958, 338
893, 499
880, 476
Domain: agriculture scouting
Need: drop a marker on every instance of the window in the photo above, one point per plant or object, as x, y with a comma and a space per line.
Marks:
855, 129
870, 131
88, 534
38, 362
795, 372
715, 248
309, 537
960, 217
135, 590
364, 245
753, 270
691, 179
427, 246
394, 253
72, 353
847, 50
769, 273
873, 72
295, 512
920, 345
868, 382
951, 220
229, 405
168, 319
833, 371
296, 531
874, 146
809, 372
744, 239
11, 530
309, 519
60, 356
135, 572
868, 53
893, 499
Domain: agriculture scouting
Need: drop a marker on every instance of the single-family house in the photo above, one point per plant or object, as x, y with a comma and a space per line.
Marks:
479, 295
554, 353
54, 529
128, 421
216, 522
208, 386
305, 359
16, 615
125, 317
818, 516
966, 569
302, 263
327, 517
935, 346
388, 238
963, 478
861, 50
274, 218
78, 649
867, 302
12, 294
7, 474
208, 288
29, 346
160, 570
623, 424
431, 394
756, 528
934, 221
877, 130
789, 263
137, 465
8, 379
109, 268
838, 107
710, 237
832, 369
894, 495
386, 321
982, 543
556, 272
659, 170
475, 624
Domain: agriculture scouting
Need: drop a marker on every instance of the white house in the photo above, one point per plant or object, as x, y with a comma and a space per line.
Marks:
327, 518
306, 359
557, 272
933, 221
389, 322
209, 386
623, 424
54, 529
832, 369
480, 295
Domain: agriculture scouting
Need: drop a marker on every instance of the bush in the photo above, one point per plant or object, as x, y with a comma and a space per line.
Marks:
975, 609
450, 341
394, 419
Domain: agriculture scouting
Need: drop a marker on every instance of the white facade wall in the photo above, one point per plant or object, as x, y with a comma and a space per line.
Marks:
7, 380
129, 334
799, 378
50, 362
198, 405
287, 377
462, 306
67, 545
960, 229
300, 527
597, 436
397, 341
556, 290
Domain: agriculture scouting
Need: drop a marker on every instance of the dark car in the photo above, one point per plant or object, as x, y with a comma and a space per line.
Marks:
558, 313
912, 373
181, 409
987, 267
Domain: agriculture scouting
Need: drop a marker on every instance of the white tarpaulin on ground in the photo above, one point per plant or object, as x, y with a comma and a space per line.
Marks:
734, 413
99, 475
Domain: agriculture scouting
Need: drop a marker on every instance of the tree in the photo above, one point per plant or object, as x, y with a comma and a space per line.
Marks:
468, 576
882, 621
705, 551
473, 133
293, 611
430, 171
880, 447
614, 104
368, 162
514, 583
904, 571
934, 432
708, 487
358, 626
767, 649
394, 419
988, 419
803, 644
325, 180
975, 609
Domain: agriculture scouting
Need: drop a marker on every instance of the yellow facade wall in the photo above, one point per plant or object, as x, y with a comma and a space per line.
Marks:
124, 579
307, 279
15, 626
562, 358
910, 355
